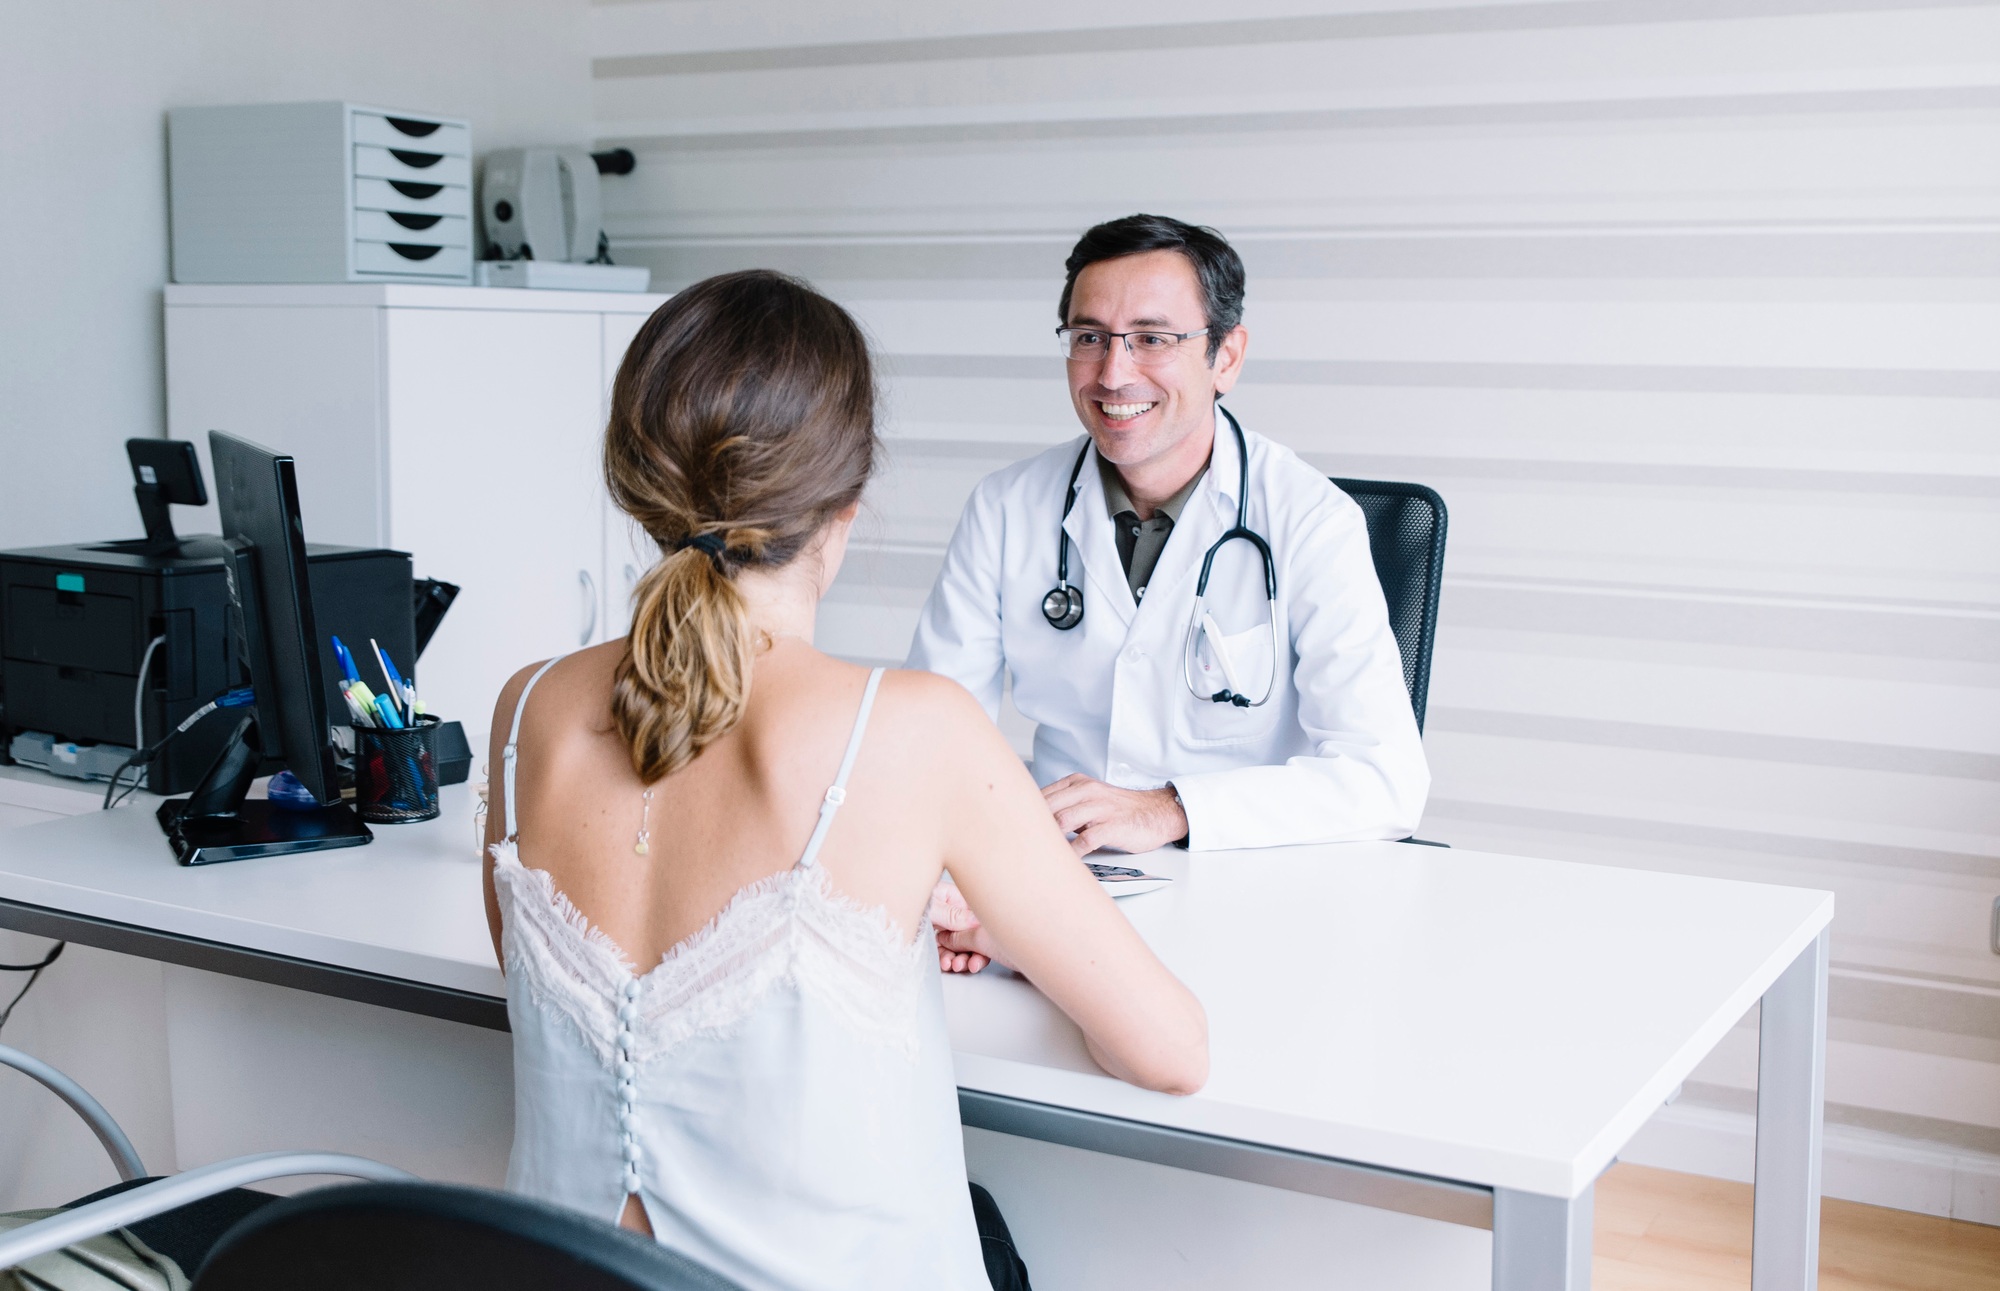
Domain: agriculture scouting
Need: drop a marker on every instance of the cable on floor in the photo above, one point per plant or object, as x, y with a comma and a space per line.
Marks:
34, 972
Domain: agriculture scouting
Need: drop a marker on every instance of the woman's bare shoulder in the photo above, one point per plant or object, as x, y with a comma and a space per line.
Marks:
928, 692
583, 674
931, 715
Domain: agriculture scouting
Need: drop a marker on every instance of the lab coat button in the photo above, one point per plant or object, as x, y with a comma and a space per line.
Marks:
1134, 655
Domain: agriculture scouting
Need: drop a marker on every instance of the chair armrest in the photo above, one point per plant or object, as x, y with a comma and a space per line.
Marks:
147, 1200
123, 1154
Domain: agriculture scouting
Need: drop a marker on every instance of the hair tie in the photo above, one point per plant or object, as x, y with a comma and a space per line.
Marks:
708, 542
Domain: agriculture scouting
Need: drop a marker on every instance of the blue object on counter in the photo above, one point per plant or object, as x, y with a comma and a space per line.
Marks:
286, 791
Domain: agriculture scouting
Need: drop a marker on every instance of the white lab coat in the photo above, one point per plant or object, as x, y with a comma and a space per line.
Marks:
1334, 755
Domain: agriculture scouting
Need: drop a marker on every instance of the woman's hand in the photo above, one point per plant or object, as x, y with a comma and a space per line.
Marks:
964, 946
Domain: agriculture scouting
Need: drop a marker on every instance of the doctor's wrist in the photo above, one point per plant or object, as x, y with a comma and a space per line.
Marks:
1180, 809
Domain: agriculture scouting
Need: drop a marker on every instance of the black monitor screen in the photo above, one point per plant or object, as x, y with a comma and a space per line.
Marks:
258, 494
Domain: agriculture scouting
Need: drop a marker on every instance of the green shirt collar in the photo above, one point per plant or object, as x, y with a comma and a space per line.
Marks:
1117, 500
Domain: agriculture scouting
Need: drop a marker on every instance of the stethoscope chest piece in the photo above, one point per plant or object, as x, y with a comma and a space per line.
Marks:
1063, 606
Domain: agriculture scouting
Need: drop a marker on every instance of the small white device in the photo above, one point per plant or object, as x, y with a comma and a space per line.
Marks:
541, 204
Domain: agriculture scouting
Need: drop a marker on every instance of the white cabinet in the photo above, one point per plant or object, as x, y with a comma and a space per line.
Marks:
628, 552
459, 424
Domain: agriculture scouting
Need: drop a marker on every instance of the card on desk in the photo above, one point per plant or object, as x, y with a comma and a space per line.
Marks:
1125, 881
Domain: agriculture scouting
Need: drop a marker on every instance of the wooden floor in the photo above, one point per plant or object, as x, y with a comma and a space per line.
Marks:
1661, 1231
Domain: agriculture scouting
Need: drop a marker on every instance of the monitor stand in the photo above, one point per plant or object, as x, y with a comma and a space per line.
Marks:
221, 822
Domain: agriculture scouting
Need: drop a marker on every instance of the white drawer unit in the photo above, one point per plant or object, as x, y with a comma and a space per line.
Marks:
319, 192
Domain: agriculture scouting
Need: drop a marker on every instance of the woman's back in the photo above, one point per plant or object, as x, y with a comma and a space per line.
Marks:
728, 1026
743, 810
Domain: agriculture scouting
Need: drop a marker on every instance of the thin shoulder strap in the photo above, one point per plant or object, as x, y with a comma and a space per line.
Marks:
837, 794
507, 754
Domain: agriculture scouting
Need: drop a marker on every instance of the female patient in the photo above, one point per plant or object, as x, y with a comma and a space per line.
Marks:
712, 848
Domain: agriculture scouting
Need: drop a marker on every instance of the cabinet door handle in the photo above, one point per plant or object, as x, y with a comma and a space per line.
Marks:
589, 585
631, 582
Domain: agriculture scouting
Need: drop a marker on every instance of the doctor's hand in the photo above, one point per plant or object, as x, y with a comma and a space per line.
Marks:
1131, 820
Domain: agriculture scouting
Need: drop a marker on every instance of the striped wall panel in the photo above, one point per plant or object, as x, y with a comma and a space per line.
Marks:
1690, 309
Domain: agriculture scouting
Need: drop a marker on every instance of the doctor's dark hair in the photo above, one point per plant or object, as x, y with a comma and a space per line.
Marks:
1217, 267
742, 421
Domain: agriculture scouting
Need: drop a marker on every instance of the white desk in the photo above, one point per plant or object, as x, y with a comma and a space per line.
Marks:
1453, 1034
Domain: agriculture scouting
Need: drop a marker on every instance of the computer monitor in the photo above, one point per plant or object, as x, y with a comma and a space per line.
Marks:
258, 494
279, 642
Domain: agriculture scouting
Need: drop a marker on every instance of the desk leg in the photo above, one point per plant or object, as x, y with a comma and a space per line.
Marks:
1791, 1087
1541, 1243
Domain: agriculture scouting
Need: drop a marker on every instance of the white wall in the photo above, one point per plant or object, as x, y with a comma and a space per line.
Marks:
84, 89
1690, 310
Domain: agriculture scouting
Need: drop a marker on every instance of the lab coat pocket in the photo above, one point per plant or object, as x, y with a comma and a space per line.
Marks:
1206, 724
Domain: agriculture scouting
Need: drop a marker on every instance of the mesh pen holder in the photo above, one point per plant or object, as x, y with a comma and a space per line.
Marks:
395, 773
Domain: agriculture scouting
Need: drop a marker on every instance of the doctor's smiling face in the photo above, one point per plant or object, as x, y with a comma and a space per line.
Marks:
1149, 408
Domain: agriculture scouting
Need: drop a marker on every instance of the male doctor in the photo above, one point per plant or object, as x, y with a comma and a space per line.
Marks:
1154, 725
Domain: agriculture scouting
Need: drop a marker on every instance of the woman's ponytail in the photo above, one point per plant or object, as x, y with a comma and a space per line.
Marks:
685, 676
742, 421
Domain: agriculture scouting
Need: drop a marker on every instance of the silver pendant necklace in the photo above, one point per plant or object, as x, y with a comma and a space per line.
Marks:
641, 847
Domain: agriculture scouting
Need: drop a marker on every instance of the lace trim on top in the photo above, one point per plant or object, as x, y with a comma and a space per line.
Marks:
789, 929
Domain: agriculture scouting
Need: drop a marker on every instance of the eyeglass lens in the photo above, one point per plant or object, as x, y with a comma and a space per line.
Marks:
1144, 347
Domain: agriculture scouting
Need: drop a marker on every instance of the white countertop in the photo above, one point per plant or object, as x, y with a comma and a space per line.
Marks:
410, 295
1492, 1019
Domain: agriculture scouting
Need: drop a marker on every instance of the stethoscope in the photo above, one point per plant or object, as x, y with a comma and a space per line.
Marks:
1063, 606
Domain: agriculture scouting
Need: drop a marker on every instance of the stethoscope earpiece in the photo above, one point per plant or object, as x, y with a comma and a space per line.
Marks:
1063, 607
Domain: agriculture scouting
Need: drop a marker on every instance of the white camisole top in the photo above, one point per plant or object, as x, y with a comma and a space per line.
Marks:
777, 1090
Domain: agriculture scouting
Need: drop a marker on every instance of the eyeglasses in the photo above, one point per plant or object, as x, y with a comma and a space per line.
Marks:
1089, 345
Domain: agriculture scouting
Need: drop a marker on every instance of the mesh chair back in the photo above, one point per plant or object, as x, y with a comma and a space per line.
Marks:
439, 1237
1406, 525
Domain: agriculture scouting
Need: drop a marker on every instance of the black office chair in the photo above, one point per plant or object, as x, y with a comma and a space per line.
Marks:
1406, 529
395, 1234
439, 1237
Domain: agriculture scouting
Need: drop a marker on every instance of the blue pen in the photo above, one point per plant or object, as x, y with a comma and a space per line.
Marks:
399, 691
346, 660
